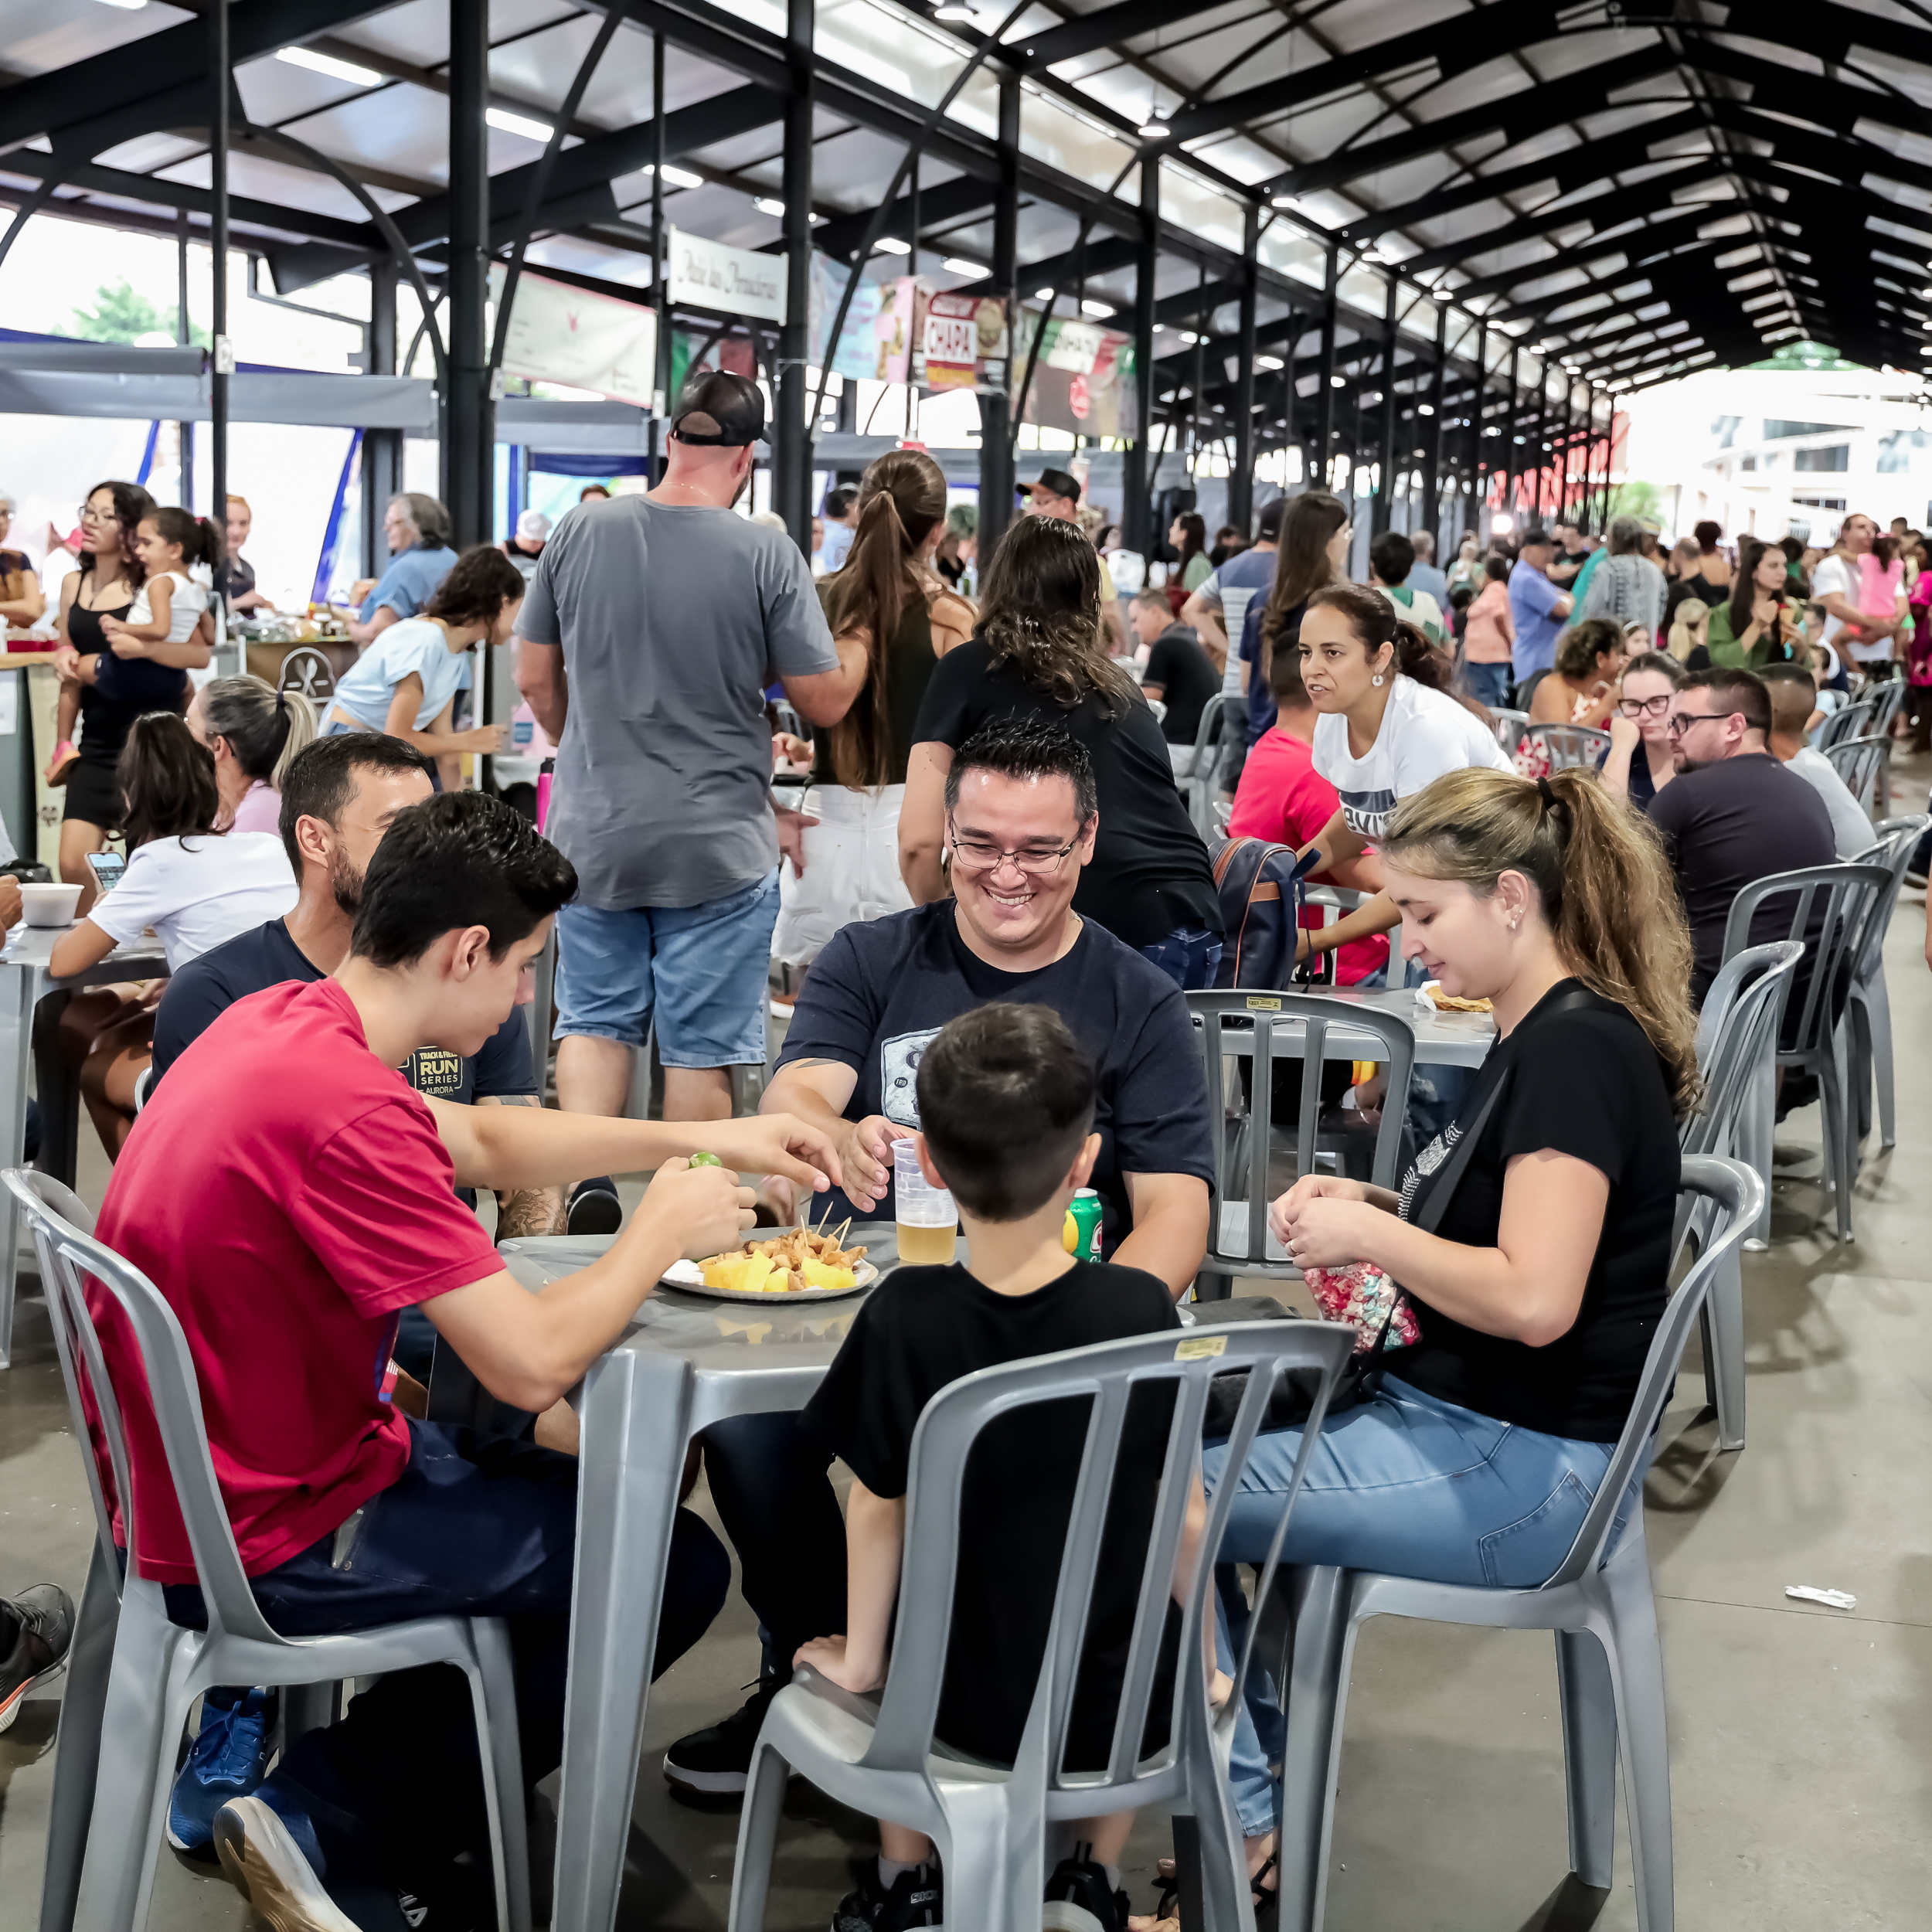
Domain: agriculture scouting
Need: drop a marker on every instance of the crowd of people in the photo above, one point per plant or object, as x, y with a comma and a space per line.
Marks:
998, 901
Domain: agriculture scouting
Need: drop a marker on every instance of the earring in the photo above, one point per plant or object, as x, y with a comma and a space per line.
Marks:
1376, 679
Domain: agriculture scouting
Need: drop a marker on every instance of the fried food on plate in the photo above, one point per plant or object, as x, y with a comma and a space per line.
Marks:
786, 1264
1454, 1003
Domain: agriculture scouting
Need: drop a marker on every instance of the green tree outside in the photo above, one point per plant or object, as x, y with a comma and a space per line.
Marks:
121, 313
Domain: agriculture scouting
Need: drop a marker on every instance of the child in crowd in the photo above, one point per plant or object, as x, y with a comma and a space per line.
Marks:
167, 629
1006, 1099
1881, 584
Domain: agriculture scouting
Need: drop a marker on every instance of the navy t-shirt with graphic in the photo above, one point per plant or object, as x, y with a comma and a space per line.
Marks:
880, 993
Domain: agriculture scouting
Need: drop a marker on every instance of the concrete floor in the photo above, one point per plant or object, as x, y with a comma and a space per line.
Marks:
1801, 1737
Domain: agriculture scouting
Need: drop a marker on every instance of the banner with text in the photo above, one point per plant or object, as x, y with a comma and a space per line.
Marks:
559, 334
1084, 379
857, 352
733, 281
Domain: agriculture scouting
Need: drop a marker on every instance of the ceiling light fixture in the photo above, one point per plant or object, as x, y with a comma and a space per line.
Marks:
959, 265
1042, 295
765, 206
1153, 128
506, 122
1337, 382
677, 177
1425, 409
1269, 362
952, 10
892, 245
307, 57
1102, 310
1281, 201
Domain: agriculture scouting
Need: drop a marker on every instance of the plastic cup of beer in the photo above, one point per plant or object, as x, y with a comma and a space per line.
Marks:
927, 1220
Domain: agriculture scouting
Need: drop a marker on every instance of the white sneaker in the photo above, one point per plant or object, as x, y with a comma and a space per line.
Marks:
268, 1869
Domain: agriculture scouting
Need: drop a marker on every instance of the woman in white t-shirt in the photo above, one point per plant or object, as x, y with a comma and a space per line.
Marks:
405, 684
1386, 727
196, 887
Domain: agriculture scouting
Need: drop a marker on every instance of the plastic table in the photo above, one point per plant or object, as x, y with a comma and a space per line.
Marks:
687, 1362
1442, 1040
31, 999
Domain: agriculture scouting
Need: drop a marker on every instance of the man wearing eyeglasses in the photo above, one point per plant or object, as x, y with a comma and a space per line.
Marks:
1734, 814
1021, 818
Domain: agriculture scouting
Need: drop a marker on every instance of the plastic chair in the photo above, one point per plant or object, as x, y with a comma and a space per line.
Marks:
132, 1675
1833, 907
1222, 719
1271, 1026
1848, 721
1509, 727
882, 1757
1611, 1689
1736, 1051
1571, 747
1869, 1011
1859, 762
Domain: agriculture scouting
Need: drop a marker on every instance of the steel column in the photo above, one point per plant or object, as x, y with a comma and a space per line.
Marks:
1324, 381
1137, 470
223, 362
1509, 439
469, 451
996, 497
184, 432
792, 434
381, 449
1432, 442
1382, 512
660, 259
1241, 477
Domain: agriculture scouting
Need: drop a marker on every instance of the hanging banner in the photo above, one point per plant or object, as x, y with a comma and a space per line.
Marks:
858, 351
733, 281
959, 335
1083, 381
895, 331
558, 334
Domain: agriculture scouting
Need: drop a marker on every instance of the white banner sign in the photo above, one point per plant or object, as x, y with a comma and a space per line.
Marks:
735, 281
559, 334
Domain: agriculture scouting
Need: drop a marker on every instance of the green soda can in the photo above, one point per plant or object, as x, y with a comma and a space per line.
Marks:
1085, 1211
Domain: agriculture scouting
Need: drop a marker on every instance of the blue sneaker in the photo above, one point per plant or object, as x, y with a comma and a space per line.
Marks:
228, 1758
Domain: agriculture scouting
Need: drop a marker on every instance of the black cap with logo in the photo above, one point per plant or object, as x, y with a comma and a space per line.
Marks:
722, 410
1055, 483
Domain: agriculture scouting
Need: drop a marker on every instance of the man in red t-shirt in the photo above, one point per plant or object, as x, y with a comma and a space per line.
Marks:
289, 1193
1282, 798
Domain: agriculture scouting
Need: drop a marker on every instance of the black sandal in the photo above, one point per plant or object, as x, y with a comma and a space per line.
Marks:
1267, 1898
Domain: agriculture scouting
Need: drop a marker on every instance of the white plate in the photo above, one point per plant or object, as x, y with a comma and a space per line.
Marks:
689, 1276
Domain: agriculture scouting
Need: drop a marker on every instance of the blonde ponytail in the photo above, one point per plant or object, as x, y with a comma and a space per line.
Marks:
1601, 872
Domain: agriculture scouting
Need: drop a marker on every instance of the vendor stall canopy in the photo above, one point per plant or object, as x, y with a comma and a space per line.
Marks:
1612, 194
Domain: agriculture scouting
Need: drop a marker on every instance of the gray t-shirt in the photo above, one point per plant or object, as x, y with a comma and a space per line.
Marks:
673, 619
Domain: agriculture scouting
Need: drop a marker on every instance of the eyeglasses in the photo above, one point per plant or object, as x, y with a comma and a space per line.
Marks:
89, 514
981, 855
1683, 720
1644, 707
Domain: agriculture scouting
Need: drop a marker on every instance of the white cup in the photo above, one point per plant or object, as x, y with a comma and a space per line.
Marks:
927, 1219
50, 905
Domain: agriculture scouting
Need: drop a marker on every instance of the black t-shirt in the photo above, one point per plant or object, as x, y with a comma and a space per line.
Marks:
1187, 680
878, 994
924, 1328
1585, 1082
237, 578
1728, 825
207, 986
1682, 588
1150, 876
124, 690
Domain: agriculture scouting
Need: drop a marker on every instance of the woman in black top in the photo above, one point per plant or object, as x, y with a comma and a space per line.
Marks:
1040, 649
887, 597
1536, 1297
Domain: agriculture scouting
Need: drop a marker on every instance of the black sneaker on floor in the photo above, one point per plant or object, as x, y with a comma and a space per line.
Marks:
1080, 1900
42, 1620
917, 1898
595, 1208
717, 1760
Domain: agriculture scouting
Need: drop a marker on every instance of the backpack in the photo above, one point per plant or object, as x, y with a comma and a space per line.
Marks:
1262, 897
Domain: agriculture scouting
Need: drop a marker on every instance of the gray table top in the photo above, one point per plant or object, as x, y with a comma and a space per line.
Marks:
1442, 1040
30, 947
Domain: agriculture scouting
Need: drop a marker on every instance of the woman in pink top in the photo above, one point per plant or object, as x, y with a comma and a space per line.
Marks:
254, 732
1489, 636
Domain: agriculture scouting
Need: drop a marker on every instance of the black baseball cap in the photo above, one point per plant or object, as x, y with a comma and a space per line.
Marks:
1055, 483
1532, 538
731, 409
1268, 526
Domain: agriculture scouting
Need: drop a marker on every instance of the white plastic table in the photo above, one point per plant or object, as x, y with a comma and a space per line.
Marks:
25, 1029
1442, 1040
688, 1362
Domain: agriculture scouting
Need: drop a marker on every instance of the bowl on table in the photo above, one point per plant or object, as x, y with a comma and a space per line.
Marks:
50, 905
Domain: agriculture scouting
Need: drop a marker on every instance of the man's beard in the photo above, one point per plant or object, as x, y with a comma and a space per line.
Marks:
1686, 766
346, 883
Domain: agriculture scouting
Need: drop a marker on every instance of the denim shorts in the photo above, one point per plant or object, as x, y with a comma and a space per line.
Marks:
698, 975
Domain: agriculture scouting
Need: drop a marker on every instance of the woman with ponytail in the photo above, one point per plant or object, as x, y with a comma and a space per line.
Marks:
1387, 725
1530, 1289
1315, 536
889, 602
253, 732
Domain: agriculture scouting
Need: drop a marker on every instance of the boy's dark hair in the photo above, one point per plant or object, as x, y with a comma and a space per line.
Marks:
1737, 690
1496, 569
166, 781
1017, 747
460, 859
1392, 556
1461, 598
480, 582
1284, 680
321, 779
1006, 1099
838, 502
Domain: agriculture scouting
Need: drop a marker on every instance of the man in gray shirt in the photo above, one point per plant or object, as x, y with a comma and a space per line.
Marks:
652, 628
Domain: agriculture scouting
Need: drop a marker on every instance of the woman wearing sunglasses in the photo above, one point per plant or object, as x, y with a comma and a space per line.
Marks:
1640, 762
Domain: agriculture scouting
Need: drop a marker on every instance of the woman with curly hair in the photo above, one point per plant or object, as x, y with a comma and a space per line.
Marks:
1041, 650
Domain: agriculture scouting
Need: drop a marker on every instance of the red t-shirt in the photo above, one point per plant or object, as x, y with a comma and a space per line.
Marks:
288, 1195
1282, 798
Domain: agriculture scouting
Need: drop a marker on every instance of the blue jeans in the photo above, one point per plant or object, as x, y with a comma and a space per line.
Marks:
1489, 684
475, 1525
698, 974
1190, 957
1409, 1484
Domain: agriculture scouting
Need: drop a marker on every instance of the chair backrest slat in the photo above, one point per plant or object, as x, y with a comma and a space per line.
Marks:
1737, 1036
1897, 840
1832, 905
1857, 761
1570, 746
1848, 721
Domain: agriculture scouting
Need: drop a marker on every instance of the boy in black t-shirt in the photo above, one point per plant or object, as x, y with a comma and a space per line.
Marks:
1006, 1098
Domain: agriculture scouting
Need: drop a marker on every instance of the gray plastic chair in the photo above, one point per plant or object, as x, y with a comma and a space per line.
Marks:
1509, 727
132, 1675
1737, 1052
881, 1757
1886, 707
1271, 1026
1611, 1689
1848, 721
1859, 762
1832, 907
1869, 1012
1571, 747
1223, 722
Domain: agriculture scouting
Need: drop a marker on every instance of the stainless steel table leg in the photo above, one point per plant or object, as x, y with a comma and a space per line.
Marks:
18, 986
77, 1743
636, 1417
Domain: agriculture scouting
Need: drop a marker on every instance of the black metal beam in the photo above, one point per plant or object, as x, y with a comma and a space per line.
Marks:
1137, 469
951, 201
996, 468
469, 442
792, 437
1104, 27
1241, 473
219, 83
